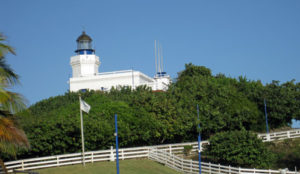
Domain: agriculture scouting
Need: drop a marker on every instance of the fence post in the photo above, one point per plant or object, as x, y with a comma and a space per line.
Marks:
149, 151
182, 164
209, 165
254, 170
122, 154
219, 168
166, 157
173, 161
156, 154
57, 159
112, 158
22, 165
92, 157
288, 134
268, 137
229, 170
239, 170
170, 149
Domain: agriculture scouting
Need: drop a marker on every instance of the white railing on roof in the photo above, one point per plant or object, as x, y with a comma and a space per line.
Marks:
116, 72
109, 73
144, 152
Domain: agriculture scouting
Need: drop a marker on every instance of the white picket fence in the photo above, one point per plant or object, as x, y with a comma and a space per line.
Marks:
295, 133
192, 167
94, 156
124, 153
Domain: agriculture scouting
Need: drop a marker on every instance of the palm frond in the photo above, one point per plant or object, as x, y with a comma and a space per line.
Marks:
4, 48
11, 137
8, 76
14, 103
10, 134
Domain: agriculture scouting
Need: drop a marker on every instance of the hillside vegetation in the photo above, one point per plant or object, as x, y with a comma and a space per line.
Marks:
245, 149
287, 153
153, 117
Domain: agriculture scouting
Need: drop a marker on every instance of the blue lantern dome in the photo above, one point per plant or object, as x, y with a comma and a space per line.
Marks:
84, 44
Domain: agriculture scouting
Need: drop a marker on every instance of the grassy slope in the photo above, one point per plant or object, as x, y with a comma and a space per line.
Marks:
287, 153
126, 167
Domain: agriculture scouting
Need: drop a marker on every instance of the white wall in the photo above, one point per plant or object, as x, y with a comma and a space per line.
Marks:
84, 65
110, 79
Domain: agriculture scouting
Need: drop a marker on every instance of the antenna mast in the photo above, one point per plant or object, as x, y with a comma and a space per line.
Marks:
159, 59
159, 70
162, 57
155, 57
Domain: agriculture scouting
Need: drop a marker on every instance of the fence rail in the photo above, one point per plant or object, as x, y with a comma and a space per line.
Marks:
94, 156
192, 167
295, 133
131, 153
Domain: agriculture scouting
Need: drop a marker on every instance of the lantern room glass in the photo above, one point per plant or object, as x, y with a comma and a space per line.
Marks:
84, 44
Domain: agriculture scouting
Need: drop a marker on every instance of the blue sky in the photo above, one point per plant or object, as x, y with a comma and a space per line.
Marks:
258, 39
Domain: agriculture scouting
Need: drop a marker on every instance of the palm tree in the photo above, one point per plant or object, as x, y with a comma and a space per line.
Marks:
11, 137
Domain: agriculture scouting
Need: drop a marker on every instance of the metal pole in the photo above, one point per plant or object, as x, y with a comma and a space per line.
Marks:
117, 143
155, 55
82, 135
158, 55
199, 140
267, 127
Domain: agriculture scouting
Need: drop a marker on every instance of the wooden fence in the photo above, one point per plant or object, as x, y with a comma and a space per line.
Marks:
192, 167
295, 133
124, 153
94, 156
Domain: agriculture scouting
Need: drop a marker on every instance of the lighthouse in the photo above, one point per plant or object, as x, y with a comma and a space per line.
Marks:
85, 62
85, 72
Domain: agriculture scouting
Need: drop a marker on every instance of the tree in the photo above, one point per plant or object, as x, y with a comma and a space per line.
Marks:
11, 137
222, 105
239, 148
282, 102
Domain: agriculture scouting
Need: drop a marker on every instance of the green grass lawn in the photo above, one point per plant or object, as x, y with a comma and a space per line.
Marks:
142, 166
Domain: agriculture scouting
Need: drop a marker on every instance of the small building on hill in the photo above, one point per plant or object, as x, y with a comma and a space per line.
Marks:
85, 74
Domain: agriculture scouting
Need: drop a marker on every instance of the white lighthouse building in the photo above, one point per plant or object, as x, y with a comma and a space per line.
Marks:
85, 74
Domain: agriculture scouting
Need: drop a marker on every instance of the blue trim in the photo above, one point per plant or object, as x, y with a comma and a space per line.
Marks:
85, 52
117, 143
266, 114
199, 140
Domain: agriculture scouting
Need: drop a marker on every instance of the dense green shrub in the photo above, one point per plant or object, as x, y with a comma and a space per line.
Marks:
187, 149
239, 148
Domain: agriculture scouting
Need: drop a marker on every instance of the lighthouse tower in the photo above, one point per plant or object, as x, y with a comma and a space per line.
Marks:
85, 62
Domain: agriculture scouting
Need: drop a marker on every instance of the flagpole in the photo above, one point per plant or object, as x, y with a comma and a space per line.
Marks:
82, 136
266, 115
199, 140
117, 143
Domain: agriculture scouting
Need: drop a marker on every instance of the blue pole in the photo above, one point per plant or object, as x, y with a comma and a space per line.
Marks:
199, 140
267, 127
117, 143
